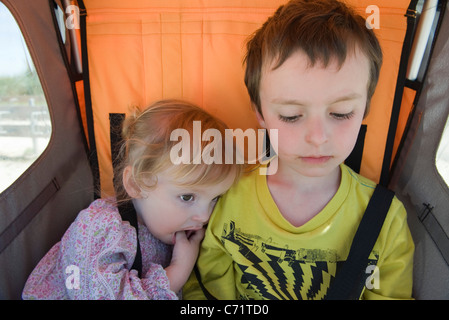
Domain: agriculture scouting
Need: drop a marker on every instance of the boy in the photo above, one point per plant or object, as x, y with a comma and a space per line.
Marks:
311, 71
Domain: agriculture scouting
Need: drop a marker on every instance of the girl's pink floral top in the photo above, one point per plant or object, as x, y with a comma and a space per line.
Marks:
94, 257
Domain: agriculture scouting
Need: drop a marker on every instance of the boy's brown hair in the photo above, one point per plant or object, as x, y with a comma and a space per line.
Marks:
323, 29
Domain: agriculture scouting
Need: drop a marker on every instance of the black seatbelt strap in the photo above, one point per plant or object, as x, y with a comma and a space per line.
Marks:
128, 213
206, 292
349, 281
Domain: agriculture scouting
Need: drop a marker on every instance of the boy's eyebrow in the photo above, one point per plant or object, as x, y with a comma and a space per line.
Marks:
294, 102
288, 102
351, 96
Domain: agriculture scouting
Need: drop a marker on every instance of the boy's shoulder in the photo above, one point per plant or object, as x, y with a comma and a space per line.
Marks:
248, 179
364, 188
357, 178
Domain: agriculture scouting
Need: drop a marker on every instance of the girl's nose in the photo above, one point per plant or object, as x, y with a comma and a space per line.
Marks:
202, 216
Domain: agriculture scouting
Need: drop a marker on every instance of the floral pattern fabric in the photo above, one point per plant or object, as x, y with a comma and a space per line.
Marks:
94, 258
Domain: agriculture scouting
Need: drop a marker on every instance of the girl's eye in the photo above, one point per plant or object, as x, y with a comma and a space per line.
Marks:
187, 197
288, 119
342, 116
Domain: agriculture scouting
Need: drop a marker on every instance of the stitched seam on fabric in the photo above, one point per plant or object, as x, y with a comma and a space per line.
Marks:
97, 269
86, 261
162, 55
143, 62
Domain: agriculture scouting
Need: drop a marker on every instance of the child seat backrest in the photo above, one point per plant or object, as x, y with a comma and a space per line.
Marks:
141, 51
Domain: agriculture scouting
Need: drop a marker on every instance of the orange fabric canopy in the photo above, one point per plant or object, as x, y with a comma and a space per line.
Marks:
141, 51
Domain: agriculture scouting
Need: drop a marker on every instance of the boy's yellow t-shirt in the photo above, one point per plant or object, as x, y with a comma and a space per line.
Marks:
251, 252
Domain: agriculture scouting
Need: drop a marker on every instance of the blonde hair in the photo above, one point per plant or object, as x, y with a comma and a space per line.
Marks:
146, 147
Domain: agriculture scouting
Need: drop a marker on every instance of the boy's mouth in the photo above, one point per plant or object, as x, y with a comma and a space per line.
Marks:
316, 159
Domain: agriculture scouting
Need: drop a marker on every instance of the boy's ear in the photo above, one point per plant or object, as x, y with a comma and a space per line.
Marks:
129, 183
260, 119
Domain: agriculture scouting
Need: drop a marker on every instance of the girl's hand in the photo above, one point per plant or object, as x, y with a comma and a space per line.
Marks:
185, 253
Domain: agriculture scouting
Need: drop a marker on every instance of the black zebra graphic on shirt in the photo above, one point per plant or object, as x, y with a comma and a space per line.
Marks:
275, 272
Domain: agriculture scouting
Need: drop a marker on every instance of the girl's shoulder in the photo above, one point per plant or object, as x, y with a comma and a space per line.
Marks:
100, 224
102, 205
100, 211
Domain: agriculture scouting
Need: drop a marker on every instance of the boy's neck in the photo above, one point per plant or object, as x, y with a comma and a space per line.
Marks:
288, 177
300, 198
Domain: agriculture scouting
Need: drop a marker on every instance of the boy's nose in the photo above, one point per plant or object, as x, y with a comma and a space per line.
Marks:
316, 133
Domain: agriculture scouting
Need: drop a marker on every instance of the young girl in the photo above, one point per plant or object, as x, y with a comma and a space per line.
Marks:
94, 259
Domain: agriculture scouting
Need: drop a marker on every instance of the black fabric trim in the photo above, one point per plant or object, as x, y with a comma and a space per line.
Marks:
22, 220
73, 76
93, 156
435, 231
354, 161
400, 84
126, 208
418, 85
115, 126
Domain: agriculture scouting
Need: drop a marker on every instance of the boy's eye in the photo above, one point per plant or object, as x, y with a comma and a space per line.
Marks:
187, 197
342, 116
288, 119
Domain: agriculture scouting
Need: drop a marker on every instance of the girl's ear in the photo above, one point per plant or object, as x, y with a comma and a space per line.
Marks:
129, 183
